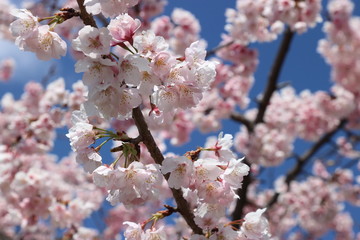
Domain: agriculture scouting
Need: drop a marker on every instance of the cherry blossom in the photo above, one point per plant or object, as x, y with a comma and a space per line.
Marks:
109, 8
45, 43
255, 225
180, 169
25, 25
123, 28
81, 135
93, 42
149, 81
6, 69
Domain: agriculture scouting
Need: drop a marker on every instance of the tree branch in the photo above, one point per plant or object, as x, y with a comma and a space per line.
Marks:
270, 88
148, 140
214, 50
304, 159
274, 75
241, 119
242, 201
3, 236
85, 16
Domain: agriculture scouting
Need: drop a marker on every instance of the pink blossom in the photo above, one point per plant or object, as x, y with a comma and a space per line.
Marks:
132, 68
109, 8
346, 148
180, 169
97, 72
114, 102
83, 233
148, 80
216, 192
223, 147
81, 134
93, 42
235, 172
104, 176
267, 147
150, 45
151, 234
162, 26
186, 30
123, 28
135, 184
225, 233
6, 69
133, 231
340, 105
206, 169
25, 25
255, 225
89, 158
162, 63
45, 43
166, 98
207, 215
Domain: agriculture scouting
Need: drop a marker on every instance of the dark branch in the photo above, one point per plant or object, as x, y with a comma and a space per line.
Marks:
270, 88
214, 50
242, 201
148, 140
240, 118
274, 75
85, 16
3, 236
304, 159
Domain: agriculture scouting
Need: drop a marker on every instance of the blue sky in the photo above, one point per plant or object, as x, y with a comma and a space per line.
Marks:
304, 67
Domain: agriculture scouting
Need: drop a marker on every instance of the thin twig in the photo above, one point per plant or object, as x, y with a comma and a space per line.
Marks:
214, 50
242, 119
51, 72
148, 140
304, 159
274, 75
85, 16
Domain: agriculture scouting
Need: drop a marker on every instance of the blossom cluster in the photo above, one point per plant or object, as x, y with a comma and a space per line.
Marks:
264, 20
36, 186
146, 80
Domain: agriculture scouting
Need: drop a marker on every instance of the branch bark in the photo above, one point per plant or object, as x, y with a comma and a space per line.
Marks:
85, 16
241, 119
274, 75
148, 140
214, 50
269, 90
305, 158
242, 201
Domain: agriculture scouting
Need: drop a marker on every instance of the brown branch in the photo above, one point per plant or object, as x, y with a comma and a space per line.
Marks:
148, 140
3, 236
304, 159
242, 201
214, 50
242, 119
270, 88
274, 75
87, 18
